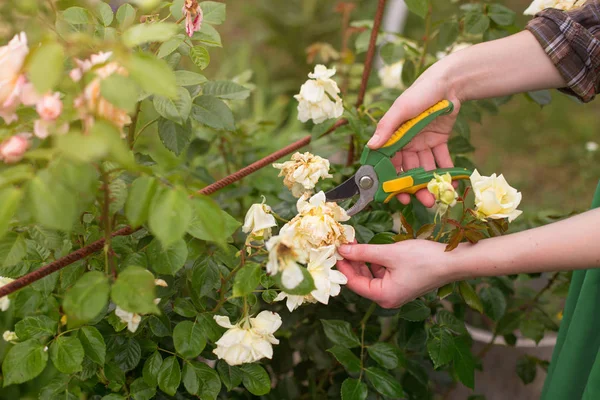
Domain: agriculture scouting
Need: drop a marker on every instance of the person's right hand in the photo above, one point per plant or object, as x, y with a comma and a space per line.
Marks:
429, 149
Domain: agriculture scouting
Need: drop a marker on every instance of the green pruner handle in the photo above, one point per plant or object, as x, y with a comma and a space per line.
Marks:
416, 179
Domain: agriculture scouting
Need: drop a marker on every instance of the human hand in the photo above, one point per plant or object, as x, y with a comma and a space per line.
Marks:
399, 272
430, 147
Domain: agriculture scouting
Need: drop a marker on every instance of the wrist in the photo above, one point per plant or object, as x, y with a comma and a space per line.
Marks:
457, 264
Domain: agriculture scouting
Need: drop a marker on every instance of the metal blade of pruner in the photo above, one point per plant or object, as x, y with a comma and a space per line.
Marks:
364, 183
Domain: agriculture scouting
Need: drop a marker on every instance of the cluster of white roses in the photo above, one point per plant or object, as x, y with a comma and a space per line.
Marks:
311, 238
494, 197
538, 5
319, 98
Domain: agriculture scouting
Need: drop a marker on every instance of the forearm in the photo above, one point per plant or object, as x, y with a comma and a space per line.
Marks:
570, 244
501, 67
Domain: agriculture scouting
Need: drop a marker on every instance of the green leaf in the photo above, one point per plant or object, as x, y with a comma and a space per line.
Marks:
87, 298
144, 33
200, 56
470, 296
353, 389
340, 333
509, 322
532, 328
45, 66
176, 109
212, 112
66, 353
208, 222
383, 382
10, 198
541, 97
128, 354
120, 91
190, 379
170, 46
476, 23
105, 13
347, 358
384, 354
184, 307
153, 75
140, 390
118, 195
169, 376
138, 201
460, 145
439, 346
448, 34
93, 344
209, 327
416, 310
247, 279
464, 364
214, 12
208, 36
447, 319
230, 375
226, 90
210, 384
169, 260
256, 379
304, 288
77, 16
205, 276
526, 369
501, 15
173, 136
392, 53
125, 16
418, 7
494, 302
134, 291
152, 368
23, 362
12, 249
188, 339
189, 78
170, 215
35, 327
51, 204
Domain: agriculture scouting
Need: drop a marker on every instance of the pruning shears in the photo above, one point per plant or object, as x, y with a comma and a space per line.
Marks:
377, 179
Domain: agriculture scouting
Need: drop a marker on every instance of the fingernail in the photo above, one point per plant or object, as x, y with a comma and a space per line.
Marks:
344, 249
373, 141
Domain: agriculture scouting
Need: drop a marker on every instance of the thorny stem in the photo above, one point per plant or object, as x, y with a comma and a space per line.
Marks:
363, 324
427, 36
108, 255
131, 133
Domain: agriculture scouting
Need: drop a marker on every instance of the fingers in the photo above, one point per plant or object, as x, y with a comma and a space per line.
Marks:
404, 198
402, 110
410, 160
377, 254
442, 156
378, 271
425, 197
426, 159
371, 288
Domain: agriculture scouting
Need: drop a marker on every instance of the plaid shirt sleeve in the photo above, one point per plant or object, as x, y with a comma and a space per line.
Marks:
572, 41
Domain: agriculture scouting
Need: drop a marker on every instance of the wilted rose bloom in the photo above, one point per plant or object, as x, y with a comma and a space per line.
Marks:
319, 98
84, 66
391, 75
452, 49
324, 51
12, 57
327, 280
131, 319
13, 148
538, 5
284, 257
302, 173
494, 197
318, 224
258, 222
4, 301
9, 336
443, 191
91, 104
248, 341
193, 16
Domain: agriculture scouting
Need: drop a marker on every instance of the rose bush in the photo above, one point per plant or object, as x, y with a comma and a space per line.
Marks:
109, 121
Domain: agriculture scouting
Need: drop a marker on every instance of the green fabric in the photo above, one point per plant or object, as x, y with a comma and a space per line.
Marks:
574, 371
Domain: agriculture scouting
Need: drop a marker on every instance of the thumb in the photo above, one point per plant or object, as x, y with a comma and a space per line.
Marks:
378, 254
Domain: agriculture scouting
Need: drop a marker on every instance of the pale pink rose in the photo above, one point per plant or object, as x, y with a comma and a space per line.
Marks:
84, 66
12, 80
49, 107
13, 148
193, 16
42, 128
30, 96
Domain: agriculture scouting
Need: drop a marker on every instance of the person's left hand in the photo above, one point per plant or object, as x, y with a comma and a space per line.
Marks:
399, 272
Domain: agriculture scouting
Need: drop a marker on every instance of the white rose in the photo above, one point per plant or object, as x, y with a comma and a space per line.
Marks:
249, 340
9, 336
258, 222
494, 197
302, 173
4, 301
131, 319
443, 191
539, 5
319, 98
591, 146
284, 257
391, 75
452, 49
85, 65
12, 57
